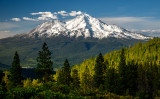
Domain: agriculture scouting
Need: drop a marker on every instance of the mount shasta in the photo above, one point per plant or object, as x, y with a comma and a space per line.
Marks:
76, 39
82, 26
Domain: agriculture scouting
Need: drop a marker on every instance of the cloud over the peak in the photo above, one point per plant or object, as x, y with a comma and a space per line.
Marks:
74, 13
45, 15
16, 19
41, 16
63, 13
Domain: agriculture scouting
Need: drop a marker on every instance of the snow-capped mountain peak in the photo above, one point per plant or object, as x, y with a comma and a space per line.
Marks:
83, 25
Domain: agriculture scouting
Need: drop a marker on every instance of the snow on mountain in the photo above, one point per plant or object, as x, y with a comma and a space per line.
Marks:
83, 25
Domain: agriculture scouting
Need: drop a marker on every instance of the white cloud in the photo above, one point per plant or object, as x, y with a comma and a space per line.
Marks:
16, 19
55, 13
63, 13
29, 19
45, 15
48, 15
74, 13
41, 13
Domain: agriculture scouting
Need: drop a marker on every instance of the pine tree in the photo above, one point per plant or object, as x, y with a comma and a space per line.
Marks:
64, 76
86, 80
99, 74
15, 71
111, 80
61, 77
44, 66
122, 63
75, 79
131, 77
67, 72
122, 72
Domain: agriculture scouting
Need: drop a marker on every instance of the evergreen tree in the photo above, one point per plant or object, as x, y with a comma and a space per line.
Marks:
44, 66
61, 75
122, 72
99, 68
131, 77
122, 63
86, 80
15, 71
111, 80
75, 79
67, 72
64, 76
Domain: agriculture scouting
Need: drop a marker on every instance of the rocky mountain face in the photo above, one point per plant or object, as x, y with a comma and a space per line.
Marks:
84, 26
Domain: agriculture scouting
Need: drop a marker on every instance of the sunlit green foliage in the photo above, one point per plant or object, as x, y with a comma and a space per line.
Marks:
128, 73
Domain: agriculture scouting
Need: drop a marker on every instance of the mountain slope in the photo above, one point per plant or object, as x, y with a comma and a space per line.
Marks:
75, 50
142, 53
76, 40
82, 26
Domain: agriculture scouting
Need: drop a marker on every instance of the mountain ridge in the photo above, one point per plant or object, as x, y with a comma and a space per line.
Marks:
84, 26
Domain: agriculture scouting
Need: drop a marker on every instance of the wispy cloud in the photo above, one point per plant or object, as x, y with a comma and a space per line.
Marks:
45, 15
137, 23
125, 19
16, 19
4, 34
144, 25
74, 13
8, 29
8, 25
29, 19
63, 13
41, 16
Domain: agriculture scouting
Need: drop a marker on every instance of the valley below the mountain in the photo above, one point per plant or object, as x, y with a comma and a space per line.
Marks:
74, 49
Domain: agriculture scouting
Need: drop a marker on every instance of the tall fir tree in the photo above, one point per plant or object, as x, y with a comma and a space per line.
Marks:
122, 72
44, 66
15, 71
99, 74
75, 79
86, 81
67, 72
111, 80
64, 76
122, 63
131, 77
61, 76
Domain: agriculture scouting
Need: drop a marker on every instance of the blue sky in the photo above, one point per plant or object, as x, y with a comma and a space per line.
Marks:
19, 16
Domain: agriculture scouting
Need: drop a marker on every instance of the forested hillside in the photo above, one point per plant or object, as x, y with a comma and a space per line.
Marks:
139, 65
140, 53
128, 73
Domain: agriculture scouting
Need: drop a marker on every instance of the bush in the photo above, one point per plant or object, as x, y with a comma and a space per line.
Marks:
60, 88
21, 93
48, 94
2, 92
